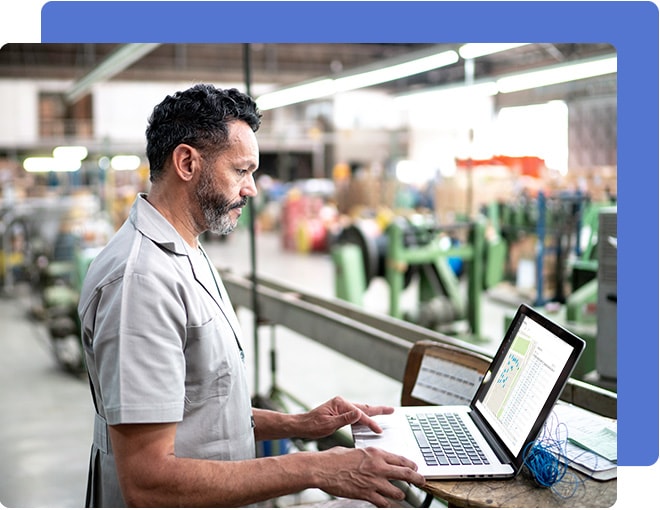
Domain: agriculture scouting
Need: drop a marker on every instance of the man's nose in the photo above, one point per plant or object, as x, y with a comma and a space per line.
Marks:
250, 188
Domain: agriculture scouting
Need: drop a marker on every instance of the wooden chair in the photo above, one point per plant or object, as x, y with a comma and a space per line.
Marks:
472, 362
455, 355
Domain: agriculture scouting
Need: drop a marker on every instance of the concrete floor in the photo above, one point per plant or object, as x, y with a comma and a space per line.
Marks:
46, 422
46, 418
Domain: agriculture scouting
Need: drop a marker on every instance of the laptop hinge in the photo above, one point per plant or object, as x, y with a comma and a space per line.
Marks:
492, 438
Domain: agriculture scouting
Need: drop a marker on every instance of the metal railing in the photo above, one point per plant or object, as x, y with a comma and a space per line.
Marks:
377, 341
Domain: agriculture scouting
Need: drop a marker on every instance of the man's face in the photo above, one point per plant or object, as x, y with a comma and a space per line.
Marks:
226, 183
216, 205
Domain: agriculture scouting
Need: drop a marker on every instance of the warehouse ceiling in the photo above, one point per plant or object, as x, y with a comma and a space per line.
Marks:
276, 64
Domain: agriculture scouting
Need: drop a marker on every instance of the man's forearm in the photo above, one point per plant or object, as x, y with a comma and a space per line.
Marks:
270, 425
150, 474
206, 483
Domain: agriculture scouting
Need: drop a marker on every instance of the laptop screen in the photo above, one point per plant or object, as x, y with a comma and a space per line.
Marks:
532, 368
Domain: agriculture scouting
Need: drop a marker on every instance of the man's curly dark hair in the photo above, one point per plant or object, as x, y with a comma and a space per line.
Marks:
198, 116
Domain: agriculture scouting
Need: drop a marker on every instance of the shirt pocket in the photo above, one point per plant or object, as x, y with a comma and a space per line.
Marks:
209, 360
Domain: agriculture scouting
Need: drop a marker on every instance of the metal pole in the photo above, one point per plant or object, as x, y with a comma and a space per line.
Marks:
469, 80
475, 282
253, 250
540, 248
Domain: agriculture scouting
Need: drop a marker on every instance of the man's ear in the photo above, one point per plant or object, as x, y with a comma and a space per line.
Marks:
186, 161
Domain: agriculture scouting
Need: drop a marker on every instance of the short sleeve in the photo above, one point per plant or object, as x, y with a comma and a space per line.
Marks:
138, 350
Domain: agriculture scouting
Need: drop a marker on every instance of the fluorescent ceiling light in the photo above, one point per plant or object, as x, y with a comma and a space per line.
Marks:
49, 164
66, 158
296, 94
38, 164
561, 73
395, 72
481, 89
125, 162
325, 87
543, 77
474, 50
70, 152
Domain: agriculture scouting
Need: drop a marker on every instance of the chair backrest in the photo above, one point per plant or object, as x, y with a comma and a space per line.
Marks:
454, 358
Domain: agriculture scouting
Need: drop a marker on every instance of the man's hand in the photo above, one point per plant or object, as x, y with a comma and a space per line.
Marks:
320, 422
337, 413
365, 474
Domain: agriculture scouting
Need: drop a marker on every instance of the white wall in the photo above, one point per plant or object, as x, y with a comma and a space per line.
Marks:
440, 129
18, 112
121, 109
367, 127
364, 109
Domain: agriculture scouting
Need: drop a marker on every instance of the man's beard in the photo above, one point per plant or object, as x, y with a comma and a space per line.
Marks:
215, 206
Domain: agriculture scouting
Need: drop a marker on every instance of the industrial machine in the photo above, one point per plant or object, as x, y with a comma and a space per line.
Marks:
428, 250
14, 249
447, 263
79, 231
606, 339
565, 225
59, 288
586, 267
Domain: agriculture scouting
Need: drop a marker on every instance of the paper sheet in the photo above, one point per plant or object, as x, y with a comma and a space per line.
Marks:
602, 442
442, 382
598, 455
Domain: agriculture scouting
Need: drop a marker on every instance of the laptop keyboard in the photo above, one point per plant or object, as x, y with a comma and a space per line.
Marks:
445, 440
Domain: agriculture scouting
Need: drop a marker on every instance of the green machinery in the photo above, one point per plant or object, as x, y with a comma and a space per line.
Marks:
571, 221
559, 222
417, 248
60, 282
584, 269
581, 307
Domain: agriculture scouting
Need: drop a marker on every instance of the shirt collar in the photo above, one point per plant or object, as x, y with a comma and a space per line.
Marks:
153, 225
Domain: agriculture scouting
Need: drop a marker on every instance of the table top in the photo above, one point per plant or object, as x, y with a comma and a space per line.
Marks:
523, 492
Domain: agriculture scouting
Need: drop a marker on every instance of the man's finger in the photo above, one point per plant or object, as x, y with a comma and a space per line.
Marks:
374, 410
364, 419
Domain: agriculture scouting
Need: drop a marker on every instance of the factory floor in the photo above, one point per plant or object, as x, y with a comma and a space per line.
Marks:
46, 419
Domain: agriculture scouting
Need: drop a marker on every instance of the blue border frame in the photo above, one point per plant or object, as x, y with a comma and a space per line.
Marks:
636, 42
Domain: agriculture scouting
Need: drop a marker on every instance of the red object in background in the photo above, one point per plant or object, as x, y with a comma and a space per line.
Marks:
531, 166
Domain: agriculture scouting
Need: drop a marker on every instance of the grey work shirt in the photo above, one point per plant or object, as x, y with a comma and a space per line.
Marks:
162, 345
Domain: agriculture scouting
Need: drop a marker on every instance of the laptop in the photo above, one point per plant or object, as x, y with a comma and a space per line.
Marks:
511, 404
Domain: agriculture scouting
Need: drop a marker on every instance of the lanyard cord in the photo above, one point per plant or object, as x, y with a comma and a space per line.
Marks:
215, 281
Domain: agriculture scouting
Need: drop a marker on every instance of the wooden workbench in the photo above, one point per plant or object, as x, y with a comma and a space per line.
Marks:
523, 492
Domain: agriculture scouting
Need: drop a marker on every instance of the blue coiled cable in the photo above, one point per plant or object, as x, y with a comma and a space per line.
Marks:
545, 460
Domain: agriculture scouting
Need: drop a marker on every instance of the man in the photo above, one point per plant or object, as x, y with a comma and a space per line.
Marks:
174, 424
